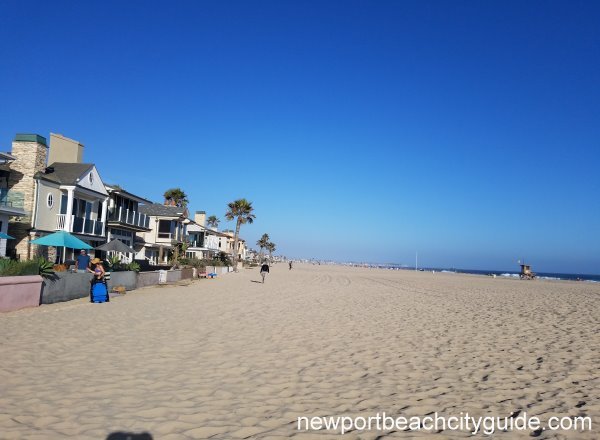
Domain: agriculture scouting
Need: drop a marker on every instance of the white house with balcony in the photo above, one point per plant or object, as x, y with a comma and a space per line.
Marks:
58, 193
124, 220
71, 197
167, 228
203, 242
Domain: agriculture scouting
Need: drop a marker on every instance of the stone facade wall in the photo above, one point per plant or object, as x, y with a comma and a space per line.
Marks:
30, 158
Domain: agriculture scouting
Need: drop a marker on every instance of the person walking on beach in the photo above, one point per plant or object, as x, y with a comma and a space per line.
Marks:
264, 270
83, 262
290, 264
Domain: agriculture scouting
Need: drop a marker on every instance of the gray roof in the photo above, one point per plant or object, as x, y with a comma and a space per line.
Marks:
6, 156
64, 173
162, 210
119, 190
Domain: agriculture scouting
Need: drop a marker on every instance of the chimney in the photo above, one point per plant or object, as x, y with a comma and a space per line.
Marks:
200, 218
63, 149
30, 151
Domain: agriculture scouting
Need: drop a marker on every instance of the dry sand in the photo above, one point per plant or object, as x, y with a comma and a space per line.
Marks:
233, 358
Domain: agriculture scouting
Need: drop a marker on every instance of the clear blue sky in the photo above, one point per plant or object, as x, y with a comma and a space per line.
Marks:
469, 131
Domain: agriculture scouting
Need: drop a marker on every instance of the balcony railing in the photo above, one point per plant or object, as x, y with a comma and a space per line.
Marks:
79, 225
11, 199
130, 217
61, 222
207, 243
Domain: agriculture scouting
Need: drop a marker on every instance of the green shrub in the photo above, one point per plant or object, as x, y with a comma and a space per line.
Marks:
198, 264
195, 262
29, 267
133, 266
38, 266
114, 263
8, 267
221, 260
45, 268
224, 259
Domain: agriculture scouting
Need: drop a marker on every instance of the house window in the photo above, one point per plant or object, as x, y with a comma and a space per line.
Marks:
50, 200
91, 177
164, 229
63, 204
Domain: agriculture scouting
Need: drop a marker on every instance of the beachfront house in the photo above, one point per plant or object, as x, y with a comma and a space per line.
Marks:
125, 221
202, 241
59, 191
242, 249
11, 202
227, 242
167, 228
252, 255
70, 196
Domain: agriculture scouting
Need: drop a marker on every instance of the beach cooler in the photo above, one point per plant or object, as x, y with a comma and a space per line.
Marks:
99, 292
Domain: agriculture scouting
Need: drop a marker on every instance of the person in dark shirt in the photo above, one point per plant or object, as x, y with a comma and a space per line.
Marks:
264, 270
82, 262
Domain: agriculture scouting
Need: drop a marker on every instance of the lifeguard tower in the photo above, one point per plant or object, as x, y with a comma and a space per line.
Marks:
526, 273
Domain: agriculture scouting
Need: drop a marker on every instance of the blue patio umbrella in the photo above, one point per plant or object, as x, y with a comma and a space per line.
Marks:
61, 239
6, 236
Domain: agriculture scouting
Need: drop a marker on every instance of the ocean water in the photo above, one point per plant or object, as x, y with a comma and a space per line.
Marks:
540, 275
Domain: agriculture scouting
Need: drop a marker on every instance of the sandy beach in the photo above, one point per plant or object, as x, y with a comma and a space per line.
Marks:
232, 358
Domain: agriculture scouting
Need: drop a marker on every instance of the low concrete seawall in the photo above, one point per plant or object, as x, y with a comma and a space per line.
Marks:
19, 292
219, 270
65, 286
173, 275
187, 273
145, 279
127, 279
31, 291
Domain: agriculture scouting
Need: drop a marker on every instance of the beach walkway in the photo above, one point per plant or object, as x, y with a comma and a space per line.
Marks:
233, 358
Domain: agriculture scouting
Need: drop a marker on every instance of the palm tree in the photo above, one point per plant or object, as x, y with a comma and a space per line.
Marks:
242, 211
176, 197
271, 248
262, 243
213, 221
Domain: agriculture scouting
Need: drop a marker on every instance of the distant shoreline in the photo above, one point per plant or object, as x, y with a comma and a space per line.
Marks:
551, 276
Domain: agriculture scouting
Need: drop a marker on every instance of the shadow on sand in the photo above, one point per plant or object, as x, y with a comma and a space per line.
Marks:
254, 281
129, 436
